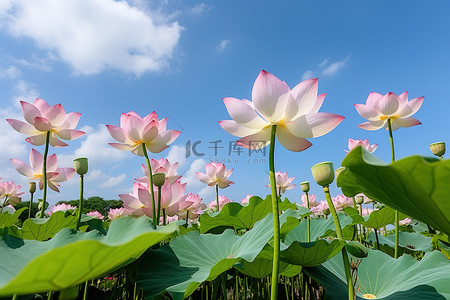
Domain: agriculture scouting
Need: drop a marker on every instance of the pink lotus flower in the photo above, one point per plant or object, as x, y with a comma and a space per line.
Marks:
170, 219
96, 215
115, 213
363, 143
216, 174
161, 166
283, 182
222, 201
194, 207
42, 118
312, 200
295, 112
131, 202
61, 207
340, 202
135, 130
246, 199
321, 209
10, 190
405, 222
378, 109
55, 175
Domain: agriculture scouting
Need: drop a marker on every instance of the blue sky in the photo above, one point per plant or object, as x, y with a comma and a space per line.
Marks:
180, 58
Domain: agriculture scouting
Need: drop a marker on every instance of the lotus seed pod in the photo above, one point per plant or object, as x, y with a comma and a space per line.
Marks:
81, 165
359, 199
32, 187
338, 171
305, 186
438, 148
159, 179
323, 173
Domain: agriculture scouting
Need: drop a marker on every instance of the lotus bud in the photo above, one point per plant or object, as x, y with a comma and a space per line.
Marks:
32, 187
305, 186
323, 173
81, 165
338, 171
359, 199
159, 179
438, 148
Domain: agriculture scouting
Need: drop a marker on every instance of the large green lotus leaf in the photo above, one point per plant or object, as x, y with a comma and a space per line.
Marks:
380, 218
73, 257
417, 186
411, 241
8, 219
388, 278
187, 261
44, 228
234, 215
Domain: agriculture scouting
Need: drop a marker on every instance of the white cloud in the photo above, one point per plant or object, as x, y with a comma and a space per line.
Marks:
307, 75
199, 9
333, 68
222, 45
25, 92
190, 177
11, 72
324, 62
113, 181
177, 153
93, 35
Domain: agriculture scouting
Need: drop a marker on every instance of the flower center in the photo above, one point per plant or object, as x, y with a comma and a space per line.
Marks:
369, 296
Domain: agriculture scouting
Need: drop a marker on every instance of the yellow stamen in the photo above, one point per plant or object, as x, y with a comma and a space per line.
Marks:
369, 296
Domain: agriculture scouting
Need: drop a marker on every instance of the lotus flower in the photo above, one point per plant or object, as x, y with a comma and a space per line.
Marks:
340, 202
43, 118
312, 200
96, 215
10, 190
295, 112
363, 143
222, 201
161, 166
194, 207
135, 130
405, 222
61, 207
246, 199
115, 213
321, 209
283, 182
216, 174
378, 109
55, 175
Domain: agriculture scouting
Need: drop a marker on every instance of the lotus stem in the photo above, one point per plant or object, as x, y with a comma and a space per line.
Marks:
44, 174
159, 204
31, 206
308, 218
348, 273
217, 197
276, 220
164, 217
4, 203
150, 176
80, 203
396, 212
86, 289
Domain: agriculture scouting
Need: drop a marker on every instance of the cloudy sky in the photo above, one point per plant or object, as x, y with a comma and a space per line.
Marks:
180, 58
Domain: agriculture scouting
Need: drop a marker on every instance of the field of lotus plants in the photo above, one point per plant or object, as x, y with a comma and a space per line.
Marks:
385, 237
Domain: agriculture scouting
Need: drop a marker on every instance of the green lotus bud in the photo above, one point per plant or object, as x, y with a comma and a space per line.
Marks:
323, 173
438, 148
359, 199
305, 186
338, 171
159, 179
81, 165
32, 187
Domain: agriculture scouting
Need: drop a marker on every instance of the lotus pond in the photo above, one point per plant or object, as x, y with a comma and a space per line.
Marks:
385, 237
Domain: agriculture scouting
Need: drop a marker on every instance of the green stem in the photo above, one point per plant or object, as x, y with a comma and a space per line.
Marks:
150, 176
50, 295
348, 273
391, 137
44, 174
164, 217
4, 203
14, 297
308, 218
376, 236
159, 204
86, 289
31, 206
217, 197
80, 203
276, 220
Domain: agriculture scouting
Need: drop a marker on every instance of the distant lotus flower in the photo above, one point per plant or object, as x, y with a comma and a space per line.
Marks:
10, 190
171, 219
55, 175
222, 201
312, 200
295, 112
363, 143
194, 207
405, 222
135, 130
161, 166
321, 209
216, 174
96, 215
246, 199
115, 213
378, 109
283, 182
42, 118
340, 202
61, 207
